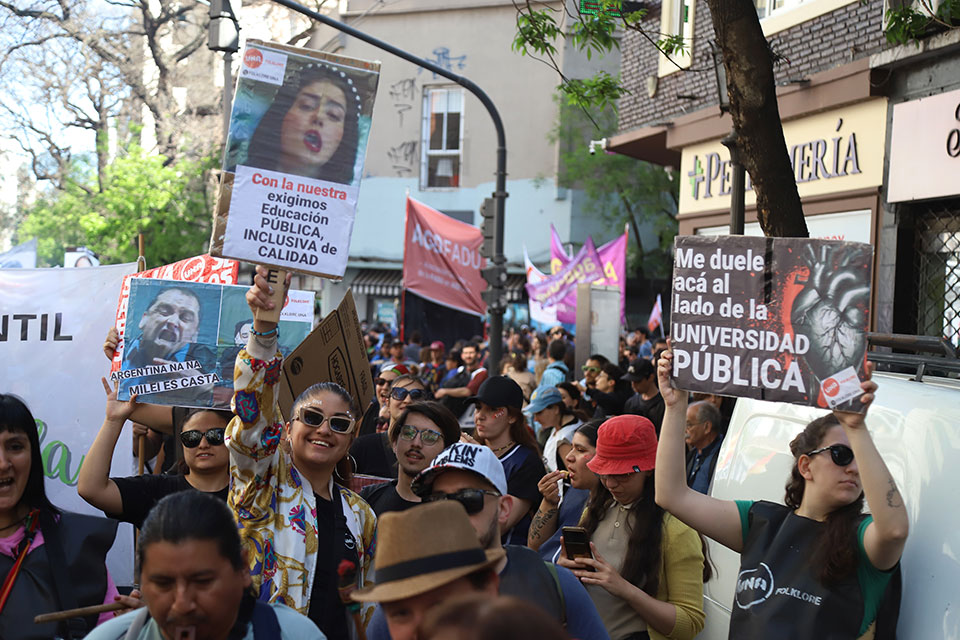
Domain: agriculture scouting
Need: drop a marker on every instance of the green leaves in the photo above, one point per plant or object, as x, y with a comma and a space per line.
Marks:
170, 204
917, 21
536, 31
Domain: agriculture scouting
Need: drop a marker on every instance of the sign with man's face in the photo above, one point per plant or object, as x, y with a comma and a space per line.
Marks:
172, 320
186, 337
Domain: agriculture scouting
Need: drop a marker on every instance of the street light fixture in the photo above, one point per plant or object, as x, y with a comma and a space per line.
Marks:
731, 142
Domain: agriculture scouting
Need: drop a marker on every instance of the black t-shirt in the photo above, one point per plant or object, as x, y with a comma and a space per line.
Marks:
368, 424
523, 468
384, 498
651, 409
374, 456
326, 608
139, 494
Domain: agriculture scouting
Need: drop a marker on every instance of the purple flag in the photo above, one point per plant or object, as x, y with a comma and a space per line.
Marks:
585, 267
613, 256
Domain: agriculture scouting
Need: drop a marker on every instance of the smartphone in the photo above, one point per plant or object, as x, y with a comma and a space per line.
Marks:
576, 543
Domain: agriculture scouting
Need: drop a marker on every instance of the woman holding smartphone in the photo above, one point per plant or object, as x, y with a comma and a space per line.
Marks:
646, 573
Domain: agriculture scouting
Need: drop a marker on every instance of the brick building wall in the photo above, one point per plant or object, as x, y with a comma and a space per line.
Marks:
831, 40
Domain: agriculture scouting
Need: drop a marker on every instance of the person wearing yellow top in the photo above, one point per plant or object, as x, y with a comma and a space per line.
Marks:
646, 573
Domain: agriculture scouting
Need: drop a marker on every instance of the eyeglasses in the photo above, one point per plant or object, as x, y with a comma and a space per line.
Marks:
380, 381
587, 369
399, 393
619, 478
841, 454
313, 418
427, 436
192, 438
471, 499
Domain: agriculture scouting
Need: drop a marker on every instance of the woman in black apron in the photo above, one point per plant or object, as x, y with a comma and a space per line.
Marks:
815, 567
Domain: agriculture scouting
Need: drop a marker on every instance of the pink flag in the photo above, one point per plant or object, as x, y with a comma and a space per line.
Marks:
613, 256
441, 259
585, 267
656, 317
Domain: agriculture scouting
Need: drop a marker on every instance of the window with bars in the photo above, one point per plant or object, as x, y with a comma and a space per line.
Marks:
442, 138
930, 300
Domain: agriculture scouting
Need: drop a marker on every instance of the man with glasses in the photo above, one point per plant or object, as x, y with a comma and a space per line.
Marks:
473, 476
373, 454
703, 437
646, 400
421, 432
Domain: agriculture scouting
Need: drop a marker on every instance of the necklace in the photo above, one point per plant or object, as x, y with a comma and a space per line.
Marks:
506, 446
14, 523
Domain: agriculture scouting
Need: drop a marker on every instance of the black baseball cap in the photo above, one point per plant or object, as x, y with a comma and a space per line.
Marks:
639, 370
499, 391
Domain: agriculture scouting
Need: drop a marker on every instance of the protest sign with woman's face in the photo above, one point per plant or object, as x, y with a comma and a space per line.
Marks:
314, 124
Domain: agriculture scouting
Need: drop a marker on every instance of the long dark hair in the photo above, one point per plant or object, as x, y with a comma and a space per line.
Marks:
574, 391
641, 567
264, 146
344, 469
836, 552
16, 417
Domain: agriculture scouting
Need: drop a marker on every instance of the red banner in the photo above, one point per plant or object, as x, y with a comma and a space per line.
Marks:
202, 268
441, 259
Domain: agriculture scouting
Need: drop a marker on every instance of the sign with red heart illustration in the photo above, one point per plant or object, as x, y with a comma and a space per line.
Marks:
782, 319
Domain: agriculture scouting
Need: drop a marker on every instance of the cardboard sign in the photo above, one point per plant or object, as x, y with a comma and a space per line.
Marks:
334, 351
781, 319
293, 159
184, 337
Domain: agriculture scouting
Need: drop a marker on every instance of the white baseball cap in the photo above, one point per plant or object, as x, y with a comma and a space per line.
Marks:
463, 456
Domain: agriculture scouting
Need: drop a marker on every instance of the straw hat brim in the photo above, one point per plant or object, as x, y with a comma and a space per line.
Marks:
414, 586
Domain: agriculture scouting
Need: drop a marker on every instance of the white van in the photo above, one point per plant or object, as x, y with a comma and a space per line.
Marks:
916, 426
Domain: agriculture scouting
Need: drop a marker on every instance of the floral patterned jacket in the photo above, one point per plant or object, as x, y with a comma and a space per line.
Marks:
274, 505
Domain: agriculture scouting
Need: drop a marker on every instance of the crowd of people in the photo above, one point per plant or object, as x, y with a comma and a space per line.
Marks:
533, 501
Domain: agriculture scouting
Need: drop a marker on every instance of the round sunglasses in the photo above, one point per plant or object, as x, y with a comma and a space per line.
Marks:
427, 436
400, 394
471, 499
192, 438
841, 454
313, 418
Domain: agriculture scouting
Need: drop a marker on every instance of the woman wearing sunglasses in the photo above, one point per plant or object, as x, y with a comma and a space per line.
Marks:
308, 538
373, 454
205, 464
645, 570
829, 562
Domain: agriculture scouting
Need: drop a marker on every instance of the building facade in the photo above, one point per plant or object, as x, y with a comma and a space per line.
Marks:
859, 115
434, 141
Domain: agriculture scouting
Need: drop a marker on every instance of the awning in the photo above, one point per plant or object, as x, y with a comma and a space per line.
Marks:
378, 282
645, 143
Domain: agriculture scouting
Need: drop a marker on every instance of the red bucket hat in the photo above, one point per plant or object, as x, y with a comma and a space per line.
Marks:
625, 444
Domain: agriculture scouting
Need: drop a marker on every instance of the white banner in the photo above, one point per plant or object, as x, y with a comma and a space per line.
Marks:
52, 325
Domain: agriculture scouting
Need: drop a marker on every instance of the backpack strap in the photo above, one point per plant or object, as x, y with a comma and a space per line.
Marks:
552, 570
265, 623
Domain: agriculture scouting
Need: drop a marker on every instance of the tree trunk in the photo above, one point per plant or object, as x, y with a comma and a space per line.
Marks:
756, 115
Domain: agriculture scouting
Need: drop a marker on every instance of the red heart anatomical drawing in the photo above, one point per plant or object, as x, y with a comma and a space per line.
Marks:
831, 310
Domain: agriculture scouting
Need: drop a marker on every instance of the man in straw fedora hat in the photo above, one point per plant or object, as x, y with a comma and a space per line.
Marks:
472, 476
425, 556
